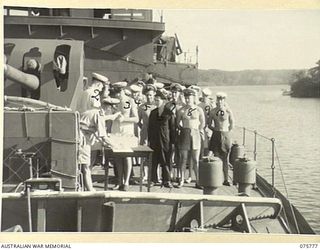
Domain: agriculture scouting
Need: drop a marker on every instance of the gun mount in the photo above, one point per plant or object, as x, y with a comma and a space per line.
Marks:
59, 79
29, 81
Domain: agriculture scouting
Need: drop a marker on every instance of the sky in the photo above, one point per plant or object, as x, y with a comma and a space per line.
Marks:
247, 39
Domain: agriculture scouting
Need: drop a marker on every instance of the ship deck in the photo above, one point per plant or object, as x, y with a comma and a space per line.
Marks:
160, 210
98, 176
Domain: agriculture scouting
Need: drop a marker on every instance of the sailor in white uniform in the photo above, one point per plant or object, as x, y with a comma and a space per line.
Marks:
92, 125
90, 98
124, 125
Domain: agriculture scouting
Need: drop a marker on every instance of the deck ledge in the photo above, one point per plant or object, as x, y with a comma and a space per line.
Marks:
144, 195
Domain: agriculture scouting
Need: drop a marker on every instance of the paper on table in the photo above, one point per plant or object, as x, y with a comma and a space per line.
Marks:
122, 143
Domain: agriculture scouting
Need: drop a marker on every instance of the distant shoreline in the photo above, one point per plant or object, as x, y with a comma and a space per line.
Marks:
246, 77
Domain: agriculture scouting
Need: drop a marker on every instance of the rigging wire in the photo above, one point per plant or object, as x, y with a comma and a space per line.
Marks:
282, 175
286, 190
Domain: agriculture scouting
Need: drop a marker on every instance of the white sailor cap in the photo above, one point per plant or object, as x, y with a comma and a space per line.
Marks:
165, 92
110, 100
176, 87
135, 88
159, 85
206, 92
119, 84
149, 87
100, 78
127, 92
160, 93
221, 95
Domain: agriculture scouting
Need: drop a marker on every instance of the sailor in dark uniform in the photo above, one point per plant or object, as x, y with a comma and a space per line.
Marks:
174, 105
144, 111
159, 139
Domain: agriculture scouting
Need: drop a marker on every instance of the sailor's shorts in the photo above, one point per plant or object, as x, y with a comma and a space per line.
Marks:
189, 139
85, 154
220, 142
84, 150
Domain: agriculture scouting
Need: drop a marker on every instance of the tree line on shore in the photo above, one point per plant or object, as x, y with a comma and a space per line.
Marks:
306, 83
303, 83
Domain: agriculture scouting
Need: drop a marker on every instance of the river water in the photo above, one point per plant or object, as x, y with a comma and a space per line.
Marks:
295, 125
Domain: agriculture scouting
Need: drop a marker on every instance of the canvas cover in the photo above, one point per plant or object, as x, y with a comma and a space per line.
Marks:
51, 135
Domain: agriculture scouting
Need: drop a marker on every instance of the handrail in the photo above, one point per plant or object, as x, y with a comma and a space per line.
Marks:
253, 131
255, 153
274, 154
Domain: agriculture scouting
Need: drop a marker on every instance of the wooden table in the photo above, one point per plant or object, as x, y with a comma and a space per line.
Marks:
140, 151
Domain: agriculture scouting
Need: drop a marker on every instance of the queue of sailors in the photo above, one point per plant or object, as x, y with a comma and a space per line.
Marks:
181, 125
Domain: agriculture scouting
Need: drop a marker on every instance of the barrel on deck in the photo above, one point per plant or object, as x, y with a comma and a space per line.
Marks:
237, 151
210, 174
246, 174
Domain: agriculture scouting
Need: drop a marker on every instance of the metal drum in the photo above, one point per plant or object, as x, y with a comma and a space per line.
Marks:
237, 151
210, 174
246, 174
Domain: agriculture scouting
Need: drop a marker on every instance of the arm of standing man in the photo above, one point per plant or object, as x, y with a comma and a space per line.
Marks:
140, 116
210, 120
111, 117
152, 127
179, 118
231, 120
202, 119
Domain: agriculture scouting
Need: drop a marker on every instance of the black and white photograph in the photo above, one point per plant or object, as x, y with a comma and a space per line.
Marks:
140, 120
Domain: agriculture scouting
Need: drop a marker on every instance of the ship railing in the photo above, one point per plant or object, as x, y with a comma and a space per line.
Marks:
114, 14
244, 135
131, 14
